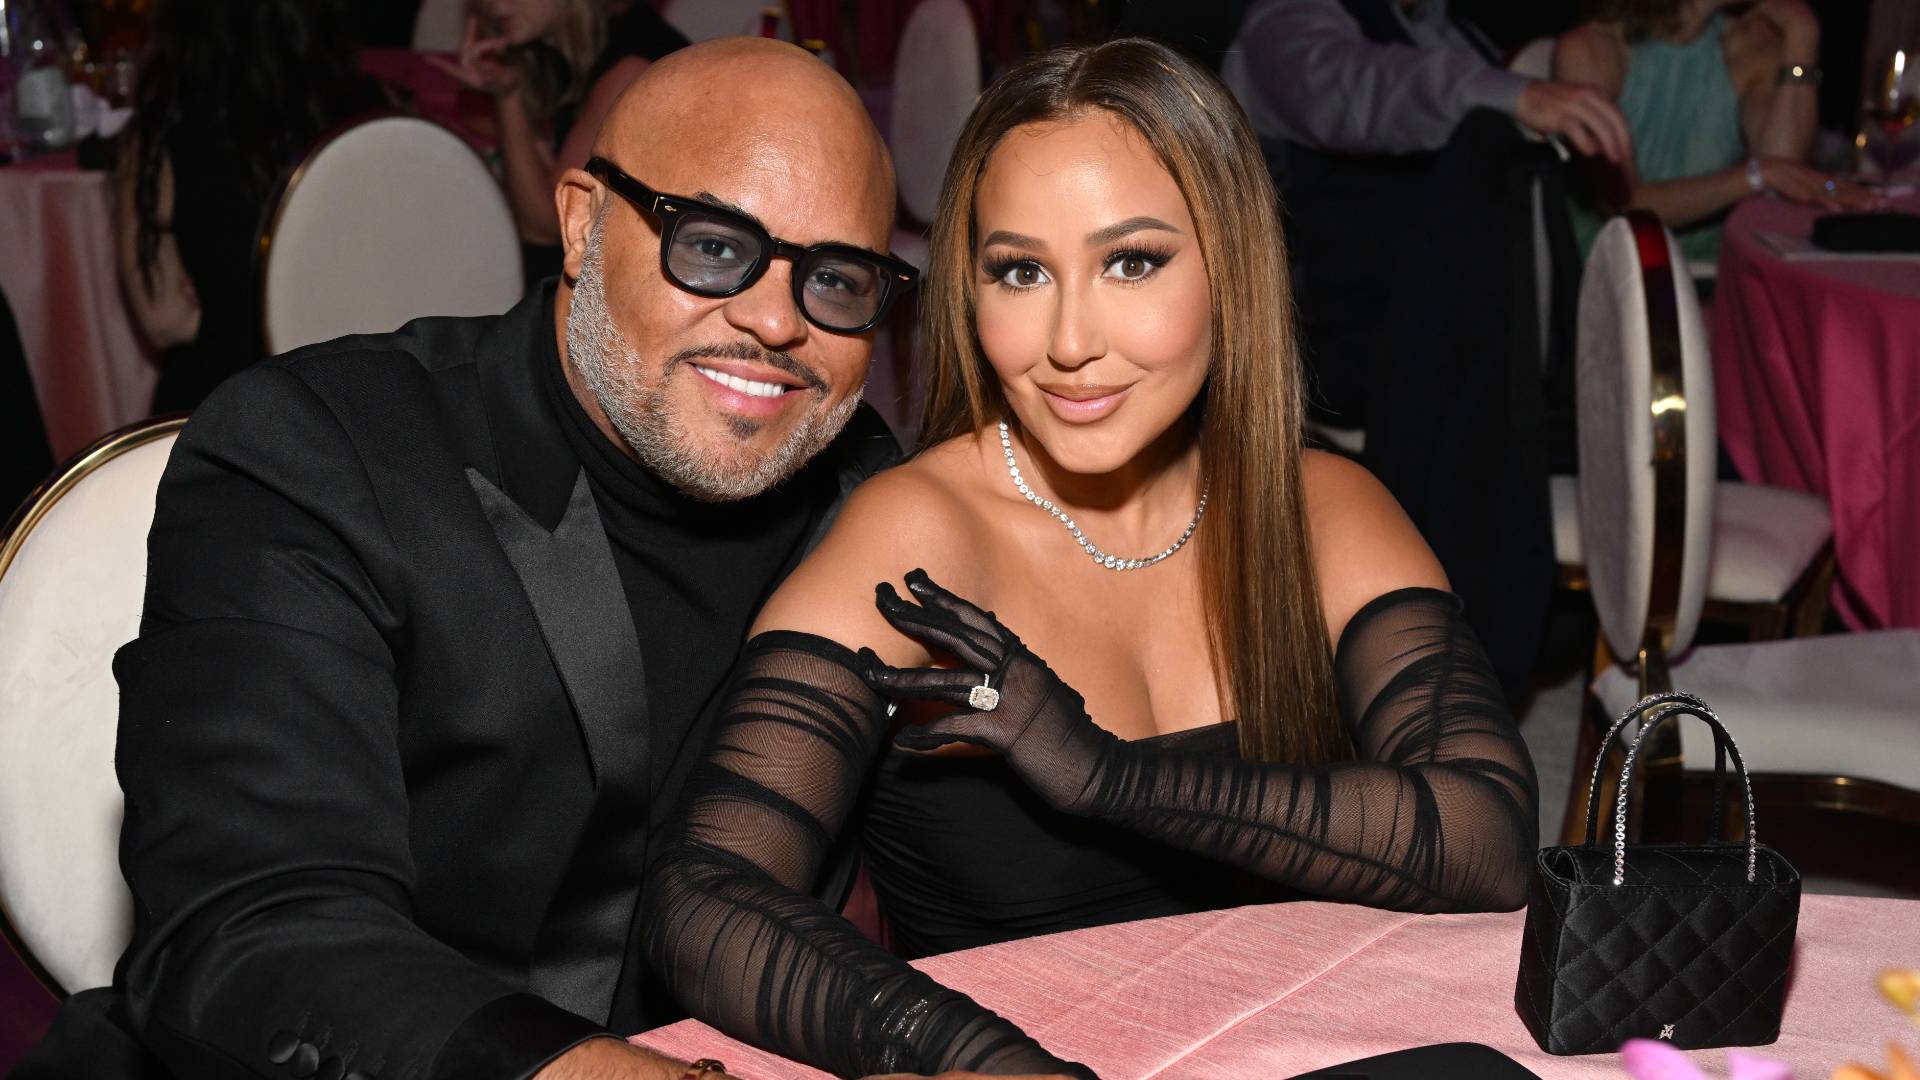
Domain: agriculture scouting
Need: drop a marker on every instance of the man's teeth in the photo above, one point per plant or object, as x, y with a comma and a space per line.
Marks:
746, 386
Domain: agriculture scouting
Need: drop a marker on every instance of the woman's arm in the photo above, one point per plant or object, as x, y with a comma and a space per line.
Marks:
162, 298
1779, 118
730, 921
526, 159
1437, 813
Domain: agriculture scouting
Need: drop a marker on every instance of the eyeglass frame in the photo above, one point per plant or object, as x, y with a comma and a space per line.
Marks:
897, 277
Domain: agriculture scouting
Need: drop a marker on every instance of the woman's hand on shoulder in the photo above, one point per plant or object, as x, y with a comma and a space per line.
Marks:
1363, 544
905, 517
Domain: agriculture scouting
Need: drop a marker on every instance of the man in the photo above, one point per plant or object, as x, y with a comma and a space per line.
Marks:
431, 615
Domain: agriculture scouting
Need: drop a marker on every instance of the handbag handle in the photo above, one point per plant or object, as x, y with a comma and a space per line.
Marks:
1692, 707
1641, 706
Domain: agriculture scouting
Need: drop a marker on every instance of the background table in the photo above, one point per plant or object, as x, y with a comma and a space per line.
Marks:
91, 371
1277, 990
1817, 373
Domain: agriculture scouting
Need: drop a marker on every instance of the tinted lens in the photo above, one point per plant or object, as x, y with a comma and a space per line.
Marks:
712, 254
842, 291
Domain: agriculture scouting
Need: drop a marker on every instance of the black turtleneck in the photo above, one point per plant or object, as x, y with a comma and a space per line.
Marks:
695, 573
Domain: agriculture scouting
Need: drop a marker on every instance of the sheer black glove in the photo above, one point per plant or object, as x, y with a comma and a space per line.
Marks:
1439, 813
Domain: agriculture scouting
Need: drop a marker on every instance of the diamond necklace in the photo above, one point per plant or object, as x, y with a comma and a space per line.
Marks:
1111, 562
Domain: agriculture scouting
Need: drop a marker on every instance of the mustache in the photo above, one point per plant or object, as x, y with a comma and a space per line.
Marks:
741, 350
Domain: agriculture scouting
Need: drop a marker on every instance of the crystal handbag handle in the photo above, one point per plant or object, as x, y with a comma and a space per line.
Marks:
1690, 707
1641, 706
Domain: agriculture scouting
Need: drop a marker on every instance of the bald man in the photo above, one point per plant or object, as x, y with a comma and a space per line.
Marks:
432, 616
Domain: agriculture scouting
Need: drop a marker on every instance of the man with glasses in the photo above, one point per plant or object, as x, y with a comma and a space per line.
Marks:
432, 616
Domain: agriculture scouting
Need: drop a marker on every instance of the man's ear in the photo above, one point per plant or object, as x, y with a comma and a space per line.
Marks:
577, 198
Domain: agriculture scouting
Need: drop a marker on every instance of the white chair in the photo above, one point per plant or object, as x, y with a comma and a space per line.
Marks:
1825, 721
386, 221
702, 20
73, 568
440, 26
936, 79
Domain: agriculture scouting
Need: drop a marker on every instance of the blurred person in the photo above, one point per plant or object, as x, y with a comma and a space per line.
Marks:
1721, 107
231, 96
432, 616
1279, 700
553, 68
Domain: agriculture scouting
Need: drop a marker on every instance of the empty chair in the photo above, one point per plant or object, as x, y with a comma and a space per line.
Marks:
386, 221
73, 567
440, 26
936, 77
1823, 721
702, 20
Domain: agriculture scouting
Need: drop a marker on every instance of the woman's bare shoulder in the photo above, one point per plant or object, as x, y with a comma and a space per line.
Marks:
1592, 54
1363, 544
922, 513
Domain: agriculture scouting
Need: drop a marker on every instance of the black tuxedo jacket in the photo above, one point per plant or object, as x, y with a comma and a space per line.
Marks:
384, 739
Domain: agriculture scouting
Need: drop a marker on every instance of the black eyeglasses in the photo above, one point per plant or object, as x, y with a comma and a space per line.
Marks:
710, 251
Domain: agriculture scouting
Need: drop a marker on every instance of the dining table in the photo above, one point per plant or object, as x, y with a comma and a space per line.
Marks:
91, 371
1272, 991
1816, 360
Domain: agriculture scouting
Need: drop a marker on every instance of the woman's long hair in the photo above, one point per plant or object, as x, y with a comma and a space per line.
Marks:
1638, 19
559, 66
1266, 631
270, 76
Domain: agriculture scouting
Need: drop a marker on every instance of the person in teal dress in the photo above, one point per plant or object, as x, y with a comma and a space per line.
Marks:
1722, 106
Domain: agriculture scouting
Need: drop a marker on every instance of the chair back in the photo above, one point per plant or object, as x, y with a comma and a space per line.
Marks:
703, 20
73, 570
936, 76
440, 26
1647, 461
386, 220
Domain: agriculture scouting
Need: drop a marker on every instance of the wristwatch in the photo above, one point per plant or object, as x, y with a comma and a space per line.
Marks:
1756, 181
1799, 73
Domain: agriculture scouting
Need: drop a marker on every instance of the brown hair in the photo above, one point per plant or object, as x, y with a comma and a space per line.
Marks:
1638, 19
558, 66
1265, 627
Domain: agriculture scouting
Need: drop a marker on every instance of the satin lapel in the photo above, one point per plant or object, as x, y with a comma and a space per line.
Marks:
574, 589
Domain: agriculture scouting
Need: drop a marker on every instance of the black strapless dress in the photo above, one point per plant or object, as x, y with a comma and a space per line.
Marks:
962, 853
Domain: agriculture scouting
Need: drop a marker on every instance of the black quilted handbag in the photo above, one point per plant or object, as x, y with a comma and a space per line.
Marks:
1683, 942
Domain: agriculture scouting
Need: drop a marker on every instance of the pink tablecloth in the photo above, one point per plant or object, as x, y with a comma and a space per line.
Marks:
1817, 367
1272, 991
90, 369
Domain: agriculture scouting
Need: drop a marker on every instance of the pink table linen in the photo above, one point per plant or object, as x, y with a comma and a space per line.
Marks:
91, 371
1817, 369
1273, 991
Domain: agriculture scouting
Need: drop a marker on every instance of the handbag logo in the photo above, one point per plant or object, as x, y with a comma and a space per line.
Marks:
1666, 1031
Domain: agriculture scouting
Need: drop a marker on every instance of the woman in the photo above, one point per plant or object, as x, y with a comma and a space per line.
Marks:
1720, 108
1280, 694
553, 69
233, 93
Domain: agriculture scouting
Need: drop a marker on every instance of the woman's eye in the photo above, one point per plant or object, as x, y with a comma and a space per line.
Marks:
1132, 265
1023, 275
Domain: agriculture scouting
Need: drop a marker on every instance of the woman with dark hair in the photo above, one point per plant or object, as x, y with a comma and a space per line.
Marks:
1720, 106
553, 68
231, 96
1280, 700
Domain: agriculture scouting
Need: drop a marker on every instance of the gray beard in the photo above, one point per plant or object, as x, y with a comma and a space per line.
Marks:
633, 397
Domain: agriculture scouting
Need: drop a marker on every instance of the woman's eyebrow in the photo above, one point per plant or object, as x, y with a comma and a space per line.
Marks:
1132, 225
1012, 239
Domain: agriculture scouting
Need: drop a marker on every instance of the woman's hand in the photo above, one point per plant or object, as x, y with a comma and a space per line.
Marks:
482, 65
1012, 701
1799, 183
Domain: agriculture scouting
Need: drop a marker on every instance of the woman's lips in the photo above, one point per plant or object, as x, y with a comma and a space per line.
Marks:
1082, 405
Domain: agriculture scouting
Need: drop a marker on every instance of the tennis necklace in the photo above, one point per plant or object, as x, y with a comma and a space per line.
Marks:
1111, 562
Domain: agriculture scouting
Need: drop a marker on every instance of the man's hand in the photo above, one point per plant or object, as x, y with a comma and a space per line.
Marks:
614, 1059
1580, 114
1803, 184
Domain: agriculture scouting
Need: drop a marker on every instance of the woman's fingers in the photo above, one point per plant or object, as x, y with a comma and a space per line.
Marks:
929, 592
964, 729
936, 628
928, 684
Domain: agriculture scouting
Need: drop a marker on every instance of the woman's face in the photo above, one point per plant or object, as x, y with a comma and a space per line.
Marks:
519, 21
1091, 298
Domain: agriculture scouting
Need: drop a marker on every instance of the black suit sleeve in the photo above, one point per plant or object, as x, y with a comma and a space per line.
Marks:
266, 838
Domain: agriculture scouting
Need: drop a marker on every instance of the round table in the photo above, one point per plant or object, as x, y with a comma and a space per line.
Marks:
1281, 989
1817, 371
91, 371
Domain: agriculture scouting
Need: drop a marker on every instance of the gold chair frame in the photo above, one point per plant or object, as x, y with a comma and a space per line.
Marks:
38, 504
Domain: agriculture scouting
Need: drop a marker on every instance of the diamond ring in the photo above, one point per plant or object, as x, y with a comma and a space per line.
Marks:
983, 697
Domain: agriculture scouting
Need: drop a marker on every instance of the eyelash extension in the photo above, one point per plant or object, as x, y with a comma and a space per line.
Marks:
1159, 257
997, 267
